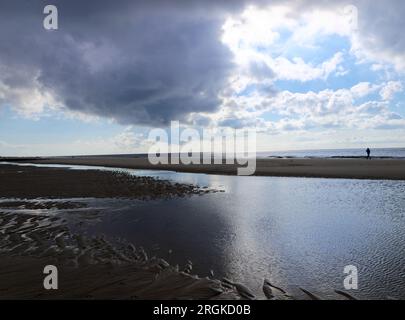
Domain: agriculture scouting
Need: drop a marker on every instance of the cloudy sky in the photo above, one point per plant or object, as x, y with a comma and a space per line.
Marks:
306, 74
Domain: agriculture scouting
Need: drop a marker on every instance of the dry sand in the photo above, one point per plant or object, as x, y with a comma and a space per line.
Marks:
389, 169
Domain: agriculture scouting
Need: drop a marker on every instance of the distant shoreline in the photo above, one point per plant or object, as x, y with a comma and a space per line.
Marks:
340, 168
334, 157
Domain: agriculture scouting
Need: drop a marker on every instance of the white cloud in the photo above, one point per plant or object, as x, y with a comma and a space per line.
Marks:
127, 141
252, 28
363, 89
289, 27
312, 110
314, 23
298, 69
255, 36
29, 101
390, 89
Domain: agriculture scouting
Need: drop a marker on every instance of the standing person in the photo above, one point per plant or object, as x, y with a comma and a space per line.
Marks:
368, 153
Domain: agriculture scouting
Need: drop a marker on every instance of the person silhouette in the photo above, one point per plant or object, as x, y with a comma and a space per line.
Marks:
368, 153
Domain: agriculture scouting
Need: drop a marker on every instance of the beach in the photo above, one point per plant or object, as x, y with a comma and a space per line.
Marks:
133, 234
42, 222
347, 168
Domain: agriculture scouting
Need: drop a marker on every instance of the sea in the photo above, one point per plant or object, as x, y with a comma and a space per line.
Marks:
388, 153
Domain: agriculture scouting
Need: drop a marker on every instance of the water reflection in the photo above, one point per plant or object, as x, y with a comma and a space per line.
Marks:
297, 232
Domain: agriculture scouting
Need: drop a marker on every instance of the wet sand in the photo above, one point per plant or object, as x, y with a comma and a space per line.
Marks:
387, 169
89, 267
29, 182
36, 233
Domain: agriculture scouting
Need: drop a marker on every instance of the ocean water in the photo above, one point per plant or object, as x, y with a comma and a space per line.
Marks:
297, 232
343, 153
324, 153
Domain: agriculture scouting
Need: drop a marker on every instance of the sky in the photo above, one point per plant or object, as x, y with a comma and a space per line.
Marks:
312, 74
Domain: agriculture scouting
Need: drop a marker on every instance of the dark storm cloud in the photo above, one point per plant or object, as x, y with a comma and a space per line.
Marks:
131, 61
